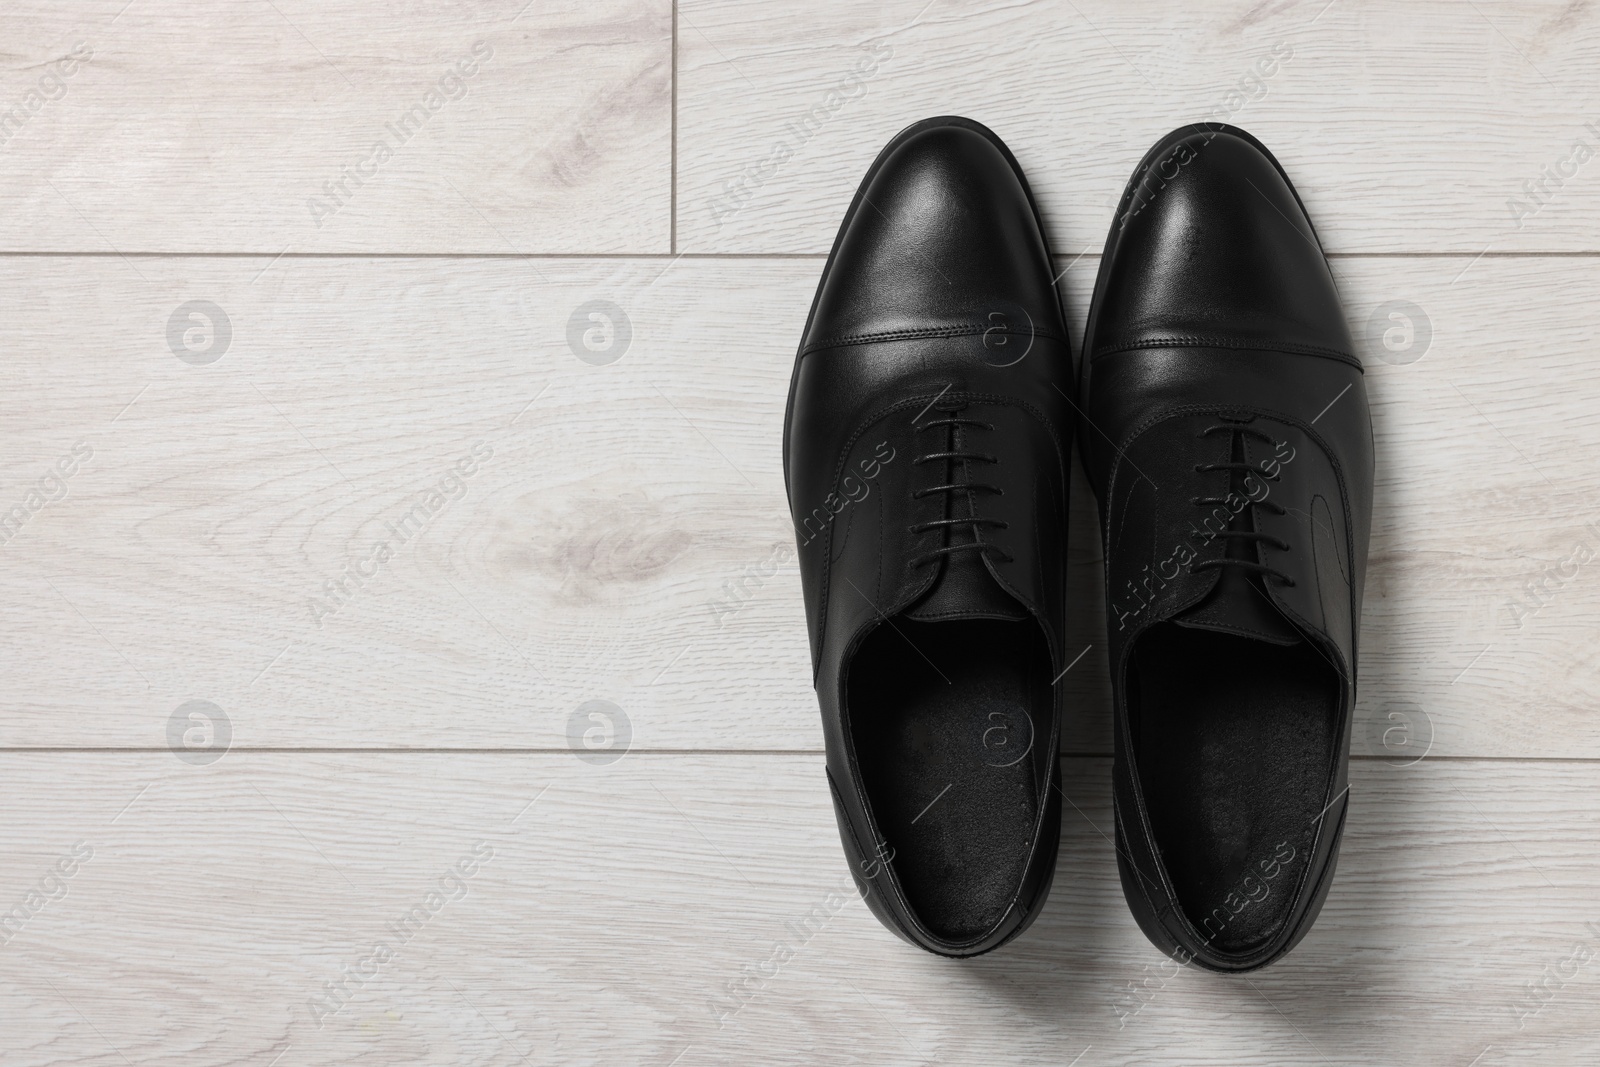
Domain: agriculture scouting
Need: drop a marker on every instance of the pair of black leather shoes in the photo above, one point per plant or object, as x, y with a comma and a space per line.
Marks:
1223, 425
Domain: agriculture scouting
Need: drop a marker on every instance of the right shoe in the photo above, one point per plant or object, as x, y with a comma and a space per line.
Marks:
1227, 438
926, 452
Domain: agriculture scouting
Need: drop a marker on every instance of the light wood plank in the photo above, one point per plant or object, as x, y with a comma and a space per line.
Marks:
608, 921
227, 127
1407, 127
645, 903
589, 558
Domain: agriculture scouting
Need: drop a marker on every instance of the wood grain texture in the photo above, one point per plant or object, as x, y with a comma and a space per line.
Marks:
1406, 127
696, 906
374, 473
255, 127
625, 539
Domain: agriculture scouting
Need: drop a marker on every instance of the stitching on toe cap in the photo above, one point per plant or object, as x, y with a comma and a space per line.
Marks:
961, 330
1292, 347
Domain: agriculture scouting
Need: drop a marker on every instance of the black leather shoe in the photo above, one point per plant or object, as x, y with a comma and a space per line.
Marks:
1227, 438
925, 453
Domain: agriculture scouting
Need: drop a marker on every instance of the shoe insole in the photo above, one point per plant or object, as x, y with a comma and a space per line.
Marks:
1233, 744
949, 720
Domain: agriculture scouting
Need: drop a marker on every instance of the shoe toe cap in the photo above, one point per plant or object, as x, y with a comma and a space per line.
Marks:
1211, 245
942, 240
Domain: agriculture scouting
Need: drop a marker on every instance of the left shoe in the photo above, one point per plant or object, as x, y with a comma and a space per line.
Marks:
926, 452
1227, 438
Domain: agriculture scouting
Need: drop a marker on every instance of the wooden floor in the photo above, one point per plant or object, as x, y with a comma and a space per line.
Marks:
405, 664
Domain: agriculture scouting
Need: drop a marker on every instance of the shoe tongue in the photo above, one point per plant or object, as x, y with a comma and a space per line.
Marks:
966, 590
1239, 605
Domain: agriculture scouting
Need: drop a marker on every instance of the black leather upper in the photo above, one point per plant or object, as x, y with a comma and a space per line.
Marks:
1215, 307
938, 296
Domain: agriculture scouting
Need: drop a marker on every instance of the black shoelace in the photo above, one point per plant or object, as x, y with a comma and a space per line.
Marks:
961, 463
1238, 469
